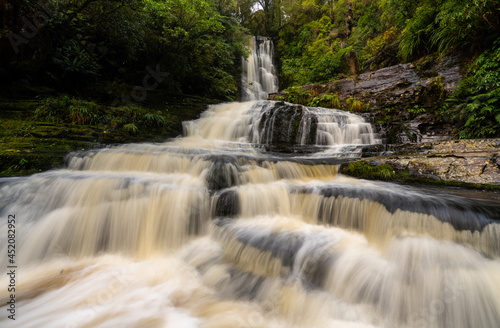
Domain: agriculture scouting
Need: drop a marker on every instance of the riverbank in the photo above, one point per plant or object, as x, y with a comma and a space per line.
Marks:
473, 164
31, 144
33, 140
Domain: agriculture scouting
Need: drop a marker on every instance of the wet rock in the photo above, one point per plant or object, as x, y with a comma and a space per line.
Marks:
469, 161
279, 126
399, 86
227, 204
223, 173
394, 93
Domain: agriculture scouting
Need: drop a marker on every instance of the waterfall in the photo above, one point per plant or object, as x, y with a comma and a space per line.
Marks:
212, 230
271, 123
259, 74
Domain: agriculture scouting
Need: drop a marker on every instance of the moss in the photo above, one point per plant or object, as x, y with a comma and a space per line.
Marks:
363, 169
24, 137
23, 163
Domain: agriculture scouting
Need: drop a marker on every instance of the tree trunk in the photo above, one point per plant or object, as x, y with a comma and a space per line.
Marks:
352, 54
332, 6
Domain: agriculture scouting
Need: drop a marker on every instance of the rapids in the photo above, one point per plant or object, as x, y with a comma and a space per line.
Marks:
213, 230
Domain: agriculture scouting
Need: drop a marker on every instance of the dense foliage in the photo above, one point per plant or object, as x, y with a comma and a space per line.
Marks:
195, 46
478, 97
191, 46
320, 40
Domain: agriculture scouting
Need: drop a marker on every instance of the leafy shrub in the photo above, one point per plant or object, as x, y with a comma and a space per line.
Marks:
313, 102
415, 37
297, 95
75, 60
468, 25
151, 119
327, 101
131, 128
141, 117
328, 66
355, 105
65, 109
330, 101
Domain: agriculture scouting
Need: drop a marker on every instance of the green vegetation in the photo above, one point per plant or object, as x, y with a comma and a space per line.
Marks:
199, 43
65, 109
185, 46
327, 101
36, 134
297, 95
320, 41
324, 40
362, 169
355, 105
477, 100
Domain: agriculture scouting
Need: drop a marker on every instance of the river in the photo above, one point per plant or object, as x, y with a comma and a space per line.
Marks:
213, 230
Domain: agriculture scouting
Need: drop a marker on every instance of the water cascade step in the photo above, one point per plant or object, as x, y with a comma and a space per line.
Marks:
213, 229
259, 73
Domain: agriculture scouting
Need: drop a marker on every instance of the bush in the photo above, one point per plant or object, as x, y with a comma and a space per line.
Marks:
140, 116
327, 101
64, 109
415, 36
355, 105
297, 95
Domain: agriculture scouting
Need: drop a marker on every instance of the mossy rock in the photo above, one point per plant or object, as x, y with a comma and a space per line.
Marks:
362, 169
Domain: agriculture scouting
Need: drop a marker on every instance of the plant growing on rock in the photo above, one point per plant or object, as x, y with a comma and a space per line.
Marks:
365, 170
326, 100
355, 105
297, 95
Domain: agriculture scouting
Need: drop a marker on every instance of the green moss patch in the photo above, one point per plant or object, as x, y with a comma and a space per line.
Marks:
37, 132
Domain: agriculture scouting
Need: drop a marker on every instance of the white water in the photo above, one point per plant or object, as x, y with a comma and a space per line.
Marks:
259, 74
209, 231
254, 122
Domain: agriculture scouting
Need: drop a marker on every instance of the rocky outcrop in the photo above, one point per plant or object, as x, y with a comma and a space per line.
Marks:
417, 143
467, 161
279, 126
401, 86
399, 98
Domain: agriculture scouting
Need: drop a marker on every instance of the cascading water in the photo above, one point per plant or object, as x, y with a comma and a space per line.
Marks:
210, 230
259, 74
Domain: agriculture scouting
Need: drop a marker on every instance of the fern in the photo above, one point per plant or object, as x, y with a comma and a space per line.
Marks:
478, 97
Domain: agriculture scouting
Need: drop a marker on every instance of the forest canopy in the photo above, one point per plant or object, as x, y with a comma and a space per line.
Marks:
320, 40
199, 43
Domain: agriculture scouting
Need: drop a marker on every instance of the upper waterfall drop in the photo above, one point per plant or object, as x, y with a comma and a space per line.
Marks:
259, 74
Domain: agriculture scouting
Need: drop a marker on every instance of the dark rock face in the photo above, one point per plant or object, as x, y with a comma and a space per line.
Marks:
395, 96
227, 204
401, 86
279, 126
223, 173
